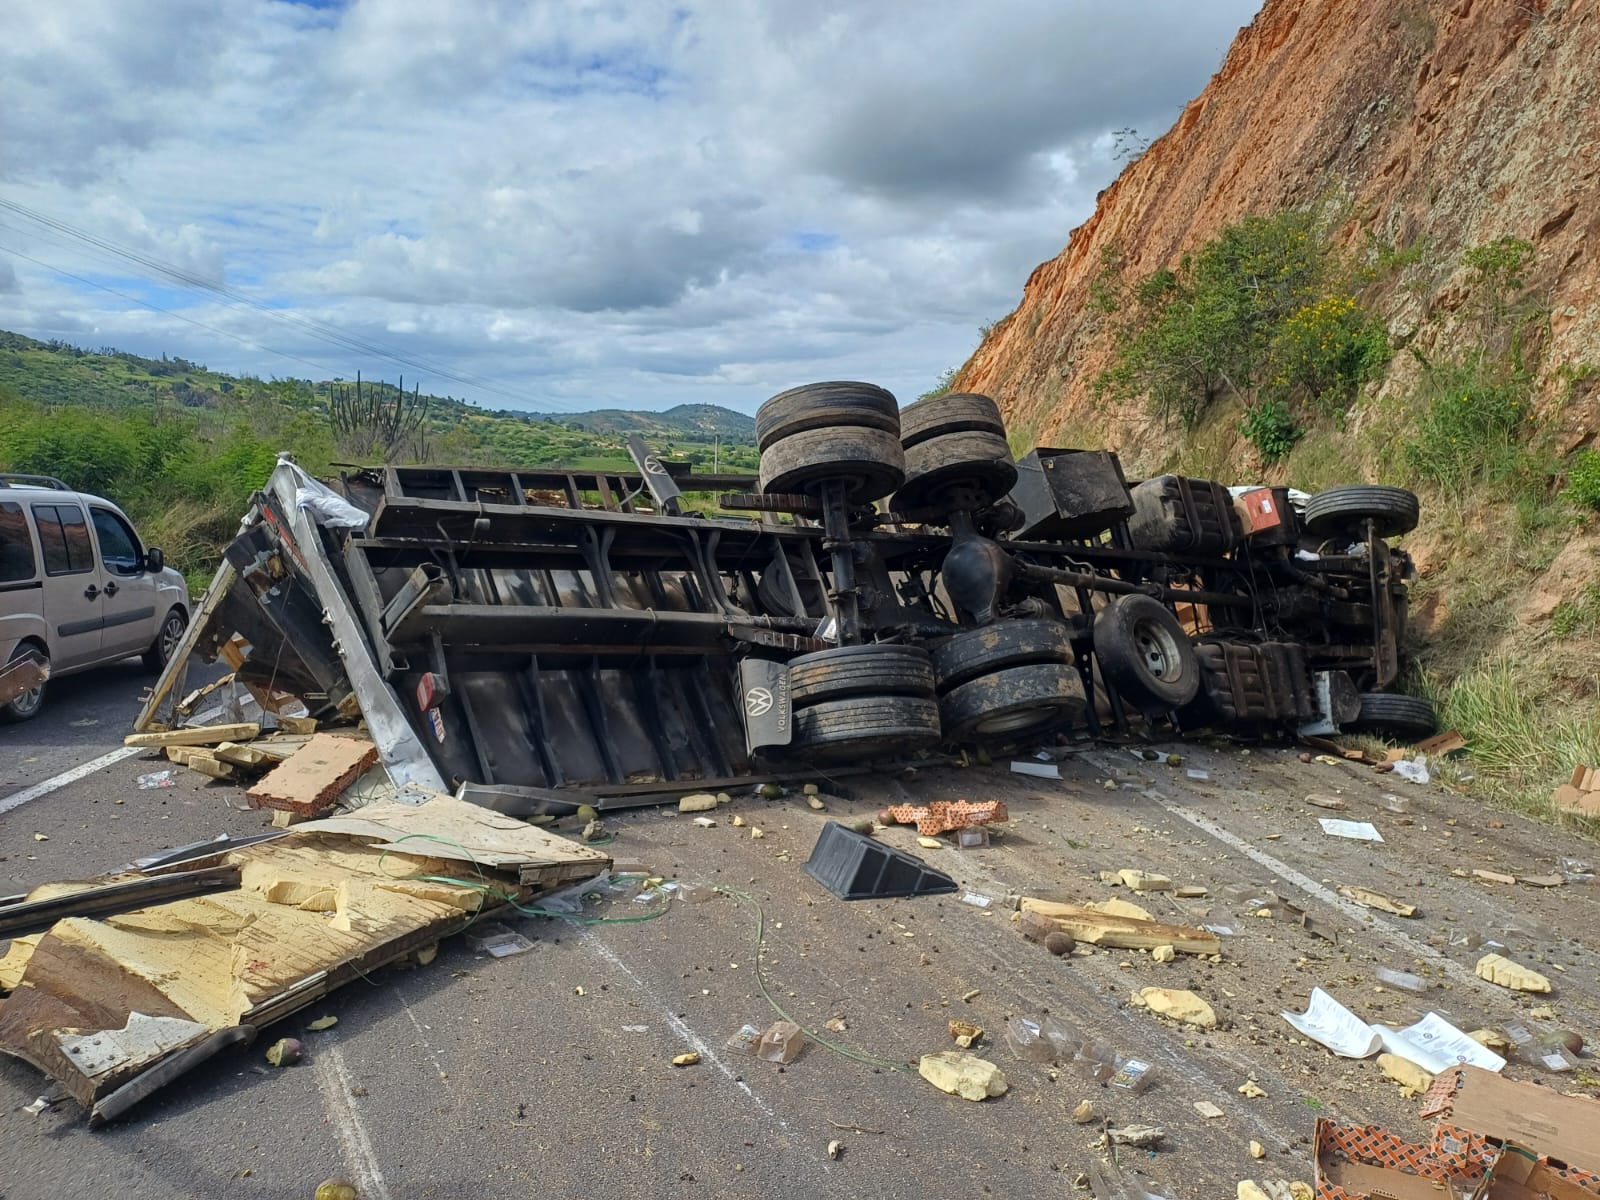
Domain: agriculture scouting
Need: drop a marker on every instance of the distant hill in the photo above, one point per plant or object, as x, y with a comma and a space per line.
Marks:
60, 373
709, 419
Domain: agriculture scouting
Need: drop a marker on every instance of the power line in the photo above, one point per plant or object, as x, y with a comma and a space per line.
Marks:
245, 342
316, 329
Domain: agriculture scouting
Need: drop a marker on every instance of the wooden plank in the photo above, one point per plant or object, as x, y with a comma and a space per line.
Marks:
196, 735
309, 781
207, 763
1098, 928
22, 676
297, 724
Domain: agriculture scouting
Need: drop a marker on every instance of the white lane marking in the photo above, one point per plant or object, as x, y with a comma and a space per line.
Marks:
83, 770
1314, 889
422, 1037
360, 1159
681, 1027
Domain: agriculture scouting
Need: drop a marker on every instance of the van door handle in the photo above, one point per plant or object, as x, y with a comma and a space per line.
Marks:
90, 592
111, 589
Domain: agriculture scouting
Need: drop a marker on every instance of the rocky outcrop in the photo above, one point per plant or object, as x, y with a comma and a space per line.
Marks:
1458, 122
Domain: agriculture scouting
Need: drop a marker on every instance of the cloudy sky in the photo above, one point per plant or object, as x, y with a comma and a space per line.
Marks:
568, 205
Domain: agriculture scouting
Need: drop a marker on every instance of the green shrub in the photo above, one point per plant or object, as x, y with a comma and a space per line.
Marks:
1583, 480
1271, 429
1325, 351
1471, 428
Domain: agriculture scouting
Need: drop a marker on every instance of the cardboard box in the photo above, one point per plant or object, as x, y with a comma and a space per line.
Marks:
1581, 793
1367, 1162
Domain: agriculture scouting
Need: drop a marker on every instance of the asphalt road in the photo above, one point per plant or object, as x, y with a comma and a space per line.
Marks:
550, 1072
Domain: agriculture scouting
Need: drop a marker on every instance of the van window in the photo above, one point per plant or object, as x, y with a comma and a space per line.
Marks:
64, 537
16, 547
119, 549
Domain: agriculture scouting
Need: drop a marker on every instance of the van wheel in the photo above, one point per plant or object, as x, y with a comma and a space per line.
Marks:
161, 650
26, 706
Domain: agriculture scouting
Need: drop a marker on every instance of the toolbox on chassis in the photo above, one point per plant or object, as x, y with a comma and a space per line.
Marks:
892, 580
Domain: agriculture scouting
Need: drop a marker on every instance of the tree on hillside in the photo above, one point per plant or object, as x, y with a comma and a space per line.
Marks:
369, 422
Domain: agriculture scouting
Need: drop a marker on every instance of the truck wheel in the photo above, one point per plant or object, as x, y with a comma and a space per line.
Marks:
825, 406
1144, 653
867, 727
870, 462
954, 412
991, 648
979, 459
1016, 704
26, 706
847, 671
1406, 718
161, 650
1346, 510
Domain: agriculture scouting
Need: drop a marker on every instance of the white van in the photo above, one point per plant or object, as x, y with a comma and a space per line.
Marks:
78, 587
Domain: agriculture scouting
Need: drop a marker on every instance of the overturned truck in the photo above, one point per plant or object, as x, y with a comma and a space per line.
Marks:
892, 581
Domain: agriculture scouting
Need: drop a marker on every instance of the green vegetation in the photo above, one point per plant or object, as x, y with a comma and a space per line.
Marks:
1263, 315
1583, 480
182, 448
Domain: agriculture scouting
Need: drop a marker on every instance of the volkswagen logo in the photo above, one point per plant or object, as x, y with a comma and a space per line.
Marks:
758, 702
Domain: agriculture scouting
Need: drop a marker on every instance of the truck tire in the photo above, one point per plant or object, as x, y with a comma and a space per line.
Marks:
26, 706
953, 412
867, 727
847, 671
981, 459
1405, 718
991, 648
826, 406
1013, 705
1144, 653
1346, 510
869, 462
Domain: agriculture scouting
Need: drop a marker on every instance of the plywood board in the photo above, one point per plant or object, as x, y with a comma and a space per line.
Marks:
196, 735
314, 910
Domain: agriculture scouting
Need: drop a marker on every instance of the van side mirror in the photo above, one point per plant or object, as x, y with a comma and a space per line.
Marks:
154, 560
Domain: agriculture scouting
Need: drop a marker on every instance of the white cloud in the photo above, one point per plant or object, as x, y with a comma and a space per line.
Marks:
599, 203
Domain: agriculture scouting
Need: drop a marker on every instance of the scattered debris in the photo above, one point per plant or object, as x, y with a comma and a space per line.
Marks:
946, 816
194, 735
1413, 1080
965, 1033
1097, 928
285, 1051
1370, 899
1580, 795
1163, 954
1413, 770
1257, 1150
835, 1148
1178, 1004
1085, 1112
706, 822
962, 1074
928, 843
155, 779
1144, 881
1441, 745
781, 1042
1404, 980
1493, 876
1432, 1043
1058, 943
335, 1189
1207, 1109
322, 1023
1361, 831
1139, 1136
1500, 970
1036, 769
1251, 1090
686, 1060
698, 802
815, 802
310, 780
1334, 803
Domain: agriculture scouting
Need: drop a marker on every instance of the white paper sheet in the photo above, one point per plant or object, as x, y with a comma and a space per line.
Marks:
1432, 1043
1436, 1045
1361, 831
1336, 1027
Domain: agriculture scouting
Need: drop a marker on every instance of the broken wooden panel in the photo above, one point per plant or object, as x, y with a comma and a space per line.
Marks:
315, 909
310, 780
194, 735
1099, 928
21, 676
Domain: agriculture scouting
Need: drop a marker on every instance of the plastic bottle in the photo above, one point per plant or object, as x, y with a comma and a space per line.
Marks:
1403, 980
1025, 1039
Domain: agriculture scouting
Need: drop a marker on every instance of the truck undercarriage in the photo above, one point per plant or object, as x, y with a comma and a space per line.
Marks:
892, 581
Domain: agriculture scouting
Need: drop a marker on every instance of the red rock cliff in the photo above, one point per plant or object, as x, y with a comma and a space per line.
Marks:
1458, 122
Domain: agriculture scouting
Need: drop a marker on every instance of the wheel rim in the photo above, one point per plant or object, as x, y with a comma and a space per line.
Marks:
28, 703
1158, 650
1028, 718
170, 633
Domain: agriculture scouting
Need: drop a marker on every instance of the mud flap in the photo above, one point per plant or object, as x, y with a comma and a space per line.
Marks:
764, 703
